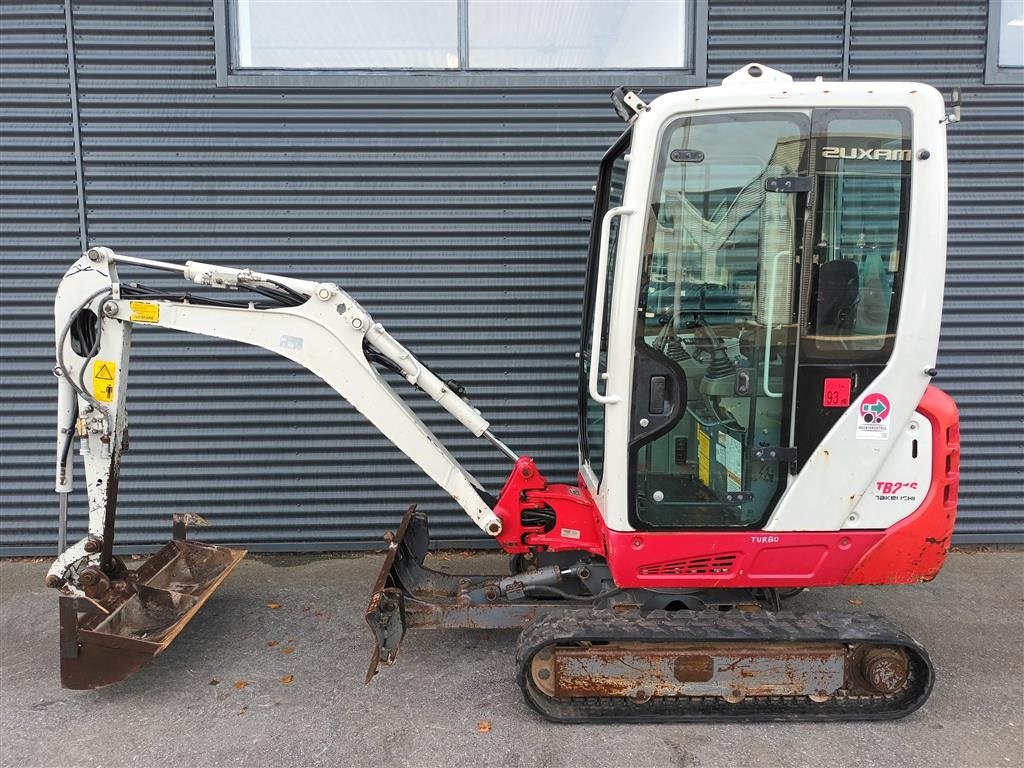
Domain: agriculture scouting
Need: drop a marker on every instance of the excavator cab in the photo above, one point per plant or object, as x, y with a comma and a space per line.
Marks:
745, 293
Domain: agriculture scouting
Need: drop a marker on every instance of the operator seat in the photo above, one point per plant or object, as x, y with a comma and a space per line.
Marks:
838, 295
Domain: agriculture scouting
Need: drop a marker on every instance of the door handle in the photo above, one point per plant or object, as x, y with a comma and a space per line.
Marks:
771, 320
599, 291
656, 401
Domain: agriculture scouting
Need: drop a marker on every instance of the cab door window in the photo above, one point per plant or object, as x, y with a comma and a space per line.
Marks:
717, 300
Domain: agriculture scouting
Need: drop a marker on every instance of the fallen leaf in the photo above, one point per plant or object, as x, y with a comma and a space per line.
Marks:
287, 651
273, 606
272, 643
240, 684
215, 681
286, 680
483, 726
317, 614
855, 601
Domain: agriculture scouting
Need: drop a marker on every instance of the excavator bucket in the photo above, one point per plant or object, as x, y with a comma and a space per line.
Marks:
123, 623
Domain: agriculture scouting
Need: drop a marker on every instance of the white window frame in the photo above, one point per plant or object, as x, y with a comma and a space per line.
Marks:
994, 73
695, 74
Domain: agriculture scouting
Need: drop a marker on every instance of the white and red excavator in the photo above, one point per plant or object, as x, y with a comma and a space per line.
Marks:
756, 417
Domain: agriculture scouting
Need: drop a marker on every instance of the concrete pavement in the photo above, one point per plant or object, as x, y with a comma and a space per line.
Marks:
189, 707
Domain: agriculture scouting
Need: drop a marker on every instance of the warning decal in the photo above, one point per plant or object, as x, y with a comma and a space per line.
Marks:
144, 312
104, 373
703, 457
730, 456
873, 423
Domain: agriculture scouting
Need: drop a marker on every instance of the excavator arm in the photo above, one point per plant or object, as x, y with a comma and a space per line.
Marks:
315, 324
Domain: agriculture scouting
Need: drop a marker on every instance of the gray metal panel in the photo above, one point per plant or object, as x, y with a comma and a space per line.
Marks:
802, 38
981, 354
457, 216
39, 230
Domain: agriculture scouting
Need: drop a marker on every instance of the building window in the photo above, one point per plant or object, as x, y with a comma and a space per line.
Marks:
577, 34
1004, 62
478, 42
357, 34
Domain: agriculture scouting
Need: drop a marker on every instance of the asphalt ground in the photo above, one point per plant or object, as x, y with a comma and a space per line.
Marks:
250, 685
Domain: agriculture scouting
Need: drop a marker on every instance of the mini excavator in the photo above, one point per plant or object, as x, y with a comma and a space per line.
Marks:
756, 417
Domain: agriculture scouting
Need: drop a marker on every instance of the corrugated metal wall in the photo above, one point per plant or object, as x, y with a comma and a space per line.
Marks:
39, 230
457, 216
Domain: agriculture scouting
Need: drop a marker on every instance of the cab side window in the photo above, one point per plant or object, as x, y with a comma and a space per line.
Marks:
611, 182
863, 184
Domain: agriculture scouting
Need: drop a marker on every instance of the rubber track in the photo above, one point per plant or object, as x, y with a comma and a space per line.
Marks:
715, 627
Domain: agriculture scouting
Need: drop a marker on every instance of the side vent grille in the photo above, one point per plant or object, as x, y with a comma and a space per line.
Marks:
682, 451
721, 564
952, 489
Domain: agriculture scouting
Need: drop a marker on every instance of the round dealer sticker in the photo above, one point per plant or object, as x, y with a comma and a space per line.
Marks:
873, 424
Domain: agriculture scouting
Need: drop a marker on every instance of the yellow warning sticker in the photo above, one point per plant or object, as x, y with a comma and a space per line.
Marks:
144, 312
104, 374
703, 457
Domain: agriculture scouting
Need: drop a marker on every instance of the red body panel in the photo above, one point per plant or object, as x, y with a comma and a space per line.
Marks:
912, 550
915, 548
745, 558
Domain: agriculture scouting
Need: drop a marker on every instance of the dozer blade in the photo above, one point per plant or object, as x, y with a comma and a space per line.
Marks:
127, 621
409, 596
385, 613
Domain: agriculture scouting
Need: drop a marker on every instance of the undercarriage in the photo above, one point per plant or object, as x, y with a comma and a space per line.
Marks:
590, 652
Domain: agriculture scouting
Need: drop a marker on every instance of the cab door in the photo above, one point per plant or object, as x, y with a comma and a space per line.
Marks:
718, 306
769, 293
